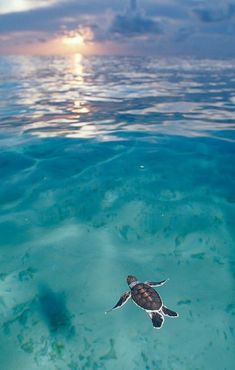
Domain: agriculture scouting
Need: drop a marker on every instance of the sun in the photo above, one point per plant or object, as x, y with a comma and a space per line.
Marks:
75, 40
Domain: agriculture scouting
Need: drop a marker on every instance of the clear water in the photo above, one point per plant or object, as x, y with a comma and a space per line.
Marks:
110, 167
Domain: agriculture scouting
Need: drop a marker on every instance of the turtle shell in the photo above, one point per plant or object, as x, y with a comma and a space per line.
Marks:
146, 297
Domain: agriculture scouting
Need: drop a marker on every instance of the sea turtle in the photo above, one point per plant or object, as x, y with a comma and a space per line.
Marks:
146, 298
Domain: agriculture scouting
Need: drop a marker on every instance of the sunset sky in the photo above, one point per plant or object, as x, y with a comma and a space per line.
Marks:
203, 28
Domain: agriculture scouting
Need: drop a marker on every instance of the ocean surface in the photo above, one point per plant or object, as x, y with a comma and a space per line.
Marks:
109, 167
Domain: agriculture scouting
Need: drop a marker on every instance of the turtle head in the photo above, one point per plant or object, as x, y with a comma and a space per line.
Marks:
131, 281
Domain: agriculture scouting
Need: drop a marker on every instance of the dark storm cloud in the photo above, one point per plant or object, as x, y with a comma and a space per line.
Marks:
215, 14
183, 26
32, 20
133, 23
171, 11
51, 17
71, 14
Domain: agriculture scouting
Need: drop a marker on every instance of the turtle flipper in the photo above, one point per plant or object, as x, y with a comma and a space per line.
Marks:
155, 283
157, 319
167, 312
124, 298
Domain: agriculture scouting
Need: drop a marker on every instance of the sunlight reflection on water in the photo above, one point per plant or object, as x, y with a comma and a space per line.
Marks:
104, 99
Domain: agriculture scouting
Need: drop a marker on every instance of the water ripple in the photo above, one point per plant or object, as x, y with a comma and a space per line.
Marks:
78, 97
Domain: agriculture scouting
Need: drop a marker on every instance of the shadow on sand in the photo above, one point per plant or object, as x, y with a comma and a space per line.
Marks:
54, 311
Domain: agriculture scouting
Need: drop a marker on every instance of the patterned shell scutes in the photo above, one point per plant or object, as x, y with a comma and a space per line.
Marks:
146, 297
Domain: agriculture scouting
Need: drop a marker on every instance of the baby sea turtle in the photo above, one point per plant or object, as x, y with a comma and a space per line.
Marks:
146, 298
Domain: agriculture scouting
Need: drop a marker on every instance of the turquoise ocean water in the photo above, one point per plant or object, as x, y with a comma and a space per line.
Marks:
110, 167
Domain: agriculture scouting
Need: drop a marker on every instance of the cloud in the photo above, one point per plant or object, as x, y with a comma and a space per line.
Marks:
85, 32
183, 33
134, 23
165, 26
209, 15
166, 10
31, 20
50, 18
23, 5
